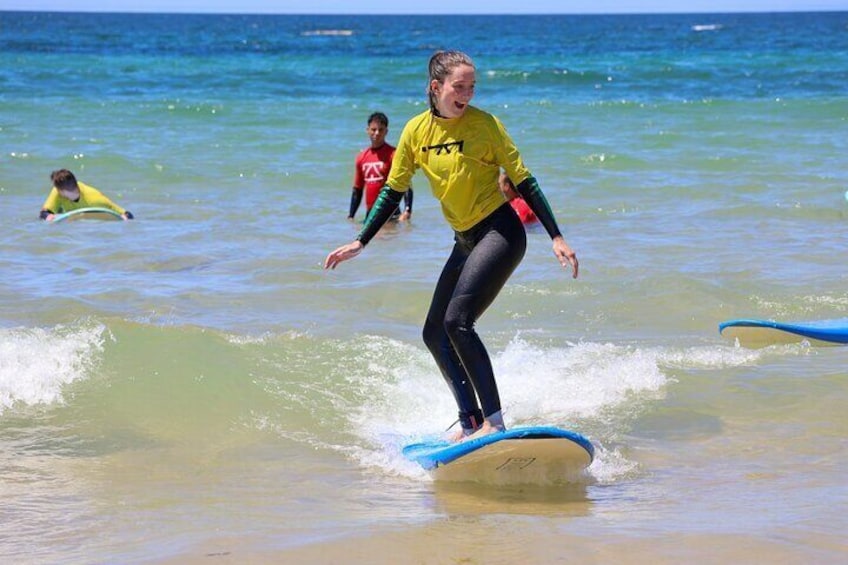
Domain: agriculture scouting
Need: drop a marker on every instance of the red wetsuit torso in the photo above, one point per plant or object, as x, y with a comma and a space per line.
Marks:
372, 169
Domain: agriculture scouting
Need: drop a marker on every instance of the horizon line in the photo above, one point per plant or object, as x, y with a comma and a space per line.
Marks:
681, 12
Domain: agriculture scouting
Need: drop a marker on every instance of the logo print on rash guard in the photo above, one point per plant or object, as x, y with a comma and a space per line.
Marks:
446, 147
373, 171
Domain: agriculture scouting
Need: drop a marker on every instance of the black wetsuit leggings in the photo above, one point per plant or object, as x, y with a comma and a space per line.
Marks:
482, 260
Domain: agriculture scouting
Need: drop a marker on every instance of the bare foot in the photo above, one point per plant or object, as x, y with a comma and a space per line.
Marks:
486, 429
457, 436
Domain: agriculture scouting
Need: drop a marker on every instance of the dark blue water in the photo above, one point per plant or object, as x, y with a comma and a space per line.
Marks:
635, 57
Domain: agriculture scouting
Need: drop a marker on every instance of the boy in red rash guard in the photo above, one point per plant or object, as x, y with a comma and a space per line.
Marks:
372, 169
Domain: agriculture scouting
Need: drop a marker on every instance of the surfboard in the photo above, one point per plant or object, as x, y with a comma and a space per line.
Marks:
523, 455
88, 214
760, 333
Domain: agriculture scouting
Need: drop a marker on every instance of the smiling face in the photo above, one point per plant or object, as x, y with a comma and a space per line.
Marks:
453, 94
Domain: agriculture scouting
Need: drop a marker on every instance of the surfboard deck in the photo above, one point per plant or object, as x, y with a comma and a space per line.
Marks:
88, 214
760, 333
524, 455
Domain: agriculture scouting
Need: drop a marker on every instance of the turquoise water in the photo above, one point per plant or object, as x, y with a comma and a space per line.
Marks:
193, 383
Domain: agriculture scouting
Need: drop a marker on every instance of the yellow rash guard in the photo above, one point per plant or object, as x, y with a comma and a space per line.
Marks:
461, 158
90, 197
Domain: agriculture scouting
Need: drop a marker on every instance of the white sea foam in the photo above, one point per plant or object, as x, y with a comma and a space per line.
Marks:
572, 386
706, 27
36, 363
328, 32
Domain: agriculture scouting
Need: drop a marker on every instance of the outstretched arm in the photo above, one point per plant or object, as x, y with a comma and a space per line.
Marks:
386, 204
532, 194
384, 207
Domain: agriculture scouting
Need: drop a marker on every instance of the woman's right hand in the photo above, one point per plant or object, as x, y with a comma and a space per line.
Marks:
343, 253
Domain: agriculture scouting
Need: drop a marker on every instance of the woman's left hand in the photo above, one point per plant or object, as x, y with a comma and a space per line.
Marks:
566, 256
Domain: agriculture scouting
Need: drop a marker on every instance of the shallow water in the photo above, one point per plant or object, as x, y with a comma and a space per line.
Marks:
193, 385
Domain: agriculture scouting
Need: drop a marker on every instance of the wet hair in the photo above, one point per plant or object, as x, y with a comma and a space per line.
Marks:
442, 63
379, 117
63, 178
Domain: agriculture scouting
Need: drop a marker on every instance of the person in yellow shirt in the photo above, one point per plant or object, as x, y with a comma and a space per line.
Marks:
68, 194
461, 150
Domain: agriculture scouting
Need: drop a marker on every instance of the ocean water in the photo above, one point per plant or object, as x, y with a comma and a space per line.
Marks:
193, 387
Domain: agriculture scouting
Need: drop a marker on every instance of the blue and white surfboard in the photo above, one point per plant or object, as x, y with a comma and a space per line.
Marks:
759, 333
524, 455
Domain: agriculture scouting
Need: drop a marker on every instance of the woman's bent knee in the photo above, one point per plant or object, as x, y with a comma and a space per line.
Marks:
433, 335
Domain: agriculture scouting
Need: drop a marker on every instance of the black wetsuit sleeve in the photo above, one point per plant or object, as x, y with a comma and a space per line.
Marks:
386, 204
43, 214
129, 215
355, 199
532, 194
407, 200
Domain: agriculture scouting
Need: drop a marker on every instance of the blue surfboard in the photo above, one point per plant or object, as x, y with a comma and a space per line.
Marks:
759, 333
90, 213
523, 455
